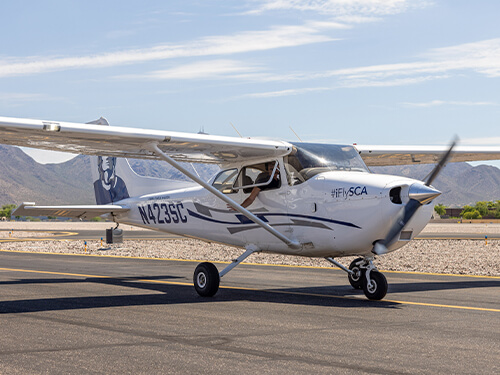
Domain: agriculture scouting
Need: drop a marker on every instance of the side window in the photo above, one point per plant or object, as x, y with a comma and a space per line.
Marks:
225, 180
259, 175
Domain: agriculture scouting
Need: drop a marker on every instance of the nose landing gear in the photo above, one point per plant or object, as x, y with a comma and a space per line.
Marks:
363, 274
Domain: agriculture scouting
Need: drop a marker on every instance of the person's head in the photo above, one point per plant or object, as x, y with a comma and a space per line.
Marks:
270, 167
106, 166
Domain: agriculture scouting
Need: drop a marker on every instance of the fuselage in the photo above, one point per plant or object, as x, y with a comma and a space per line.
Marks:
333, 213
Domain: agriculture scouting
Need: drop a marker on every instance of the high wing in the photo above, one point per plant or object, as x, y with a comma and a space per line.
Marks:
80, 211
117, 141
92, 139
403, 155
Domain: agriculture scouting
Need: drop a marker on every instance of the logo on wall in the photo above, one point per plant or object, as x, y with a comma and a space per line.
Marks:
110, 187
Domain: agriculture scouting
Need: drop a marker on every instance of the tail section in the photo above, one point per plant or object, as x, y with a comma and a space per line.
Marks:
115, 180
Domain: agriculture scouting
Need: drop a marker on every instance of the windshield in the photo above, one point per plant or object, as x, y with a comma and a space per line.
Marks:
309, 159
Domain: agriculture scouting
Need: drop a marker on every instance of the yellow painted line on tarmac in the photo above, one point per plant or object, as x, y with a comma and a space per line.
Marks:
245, 263
443, 306
478, 238
256, 290
52, 273
40, 238
440, 274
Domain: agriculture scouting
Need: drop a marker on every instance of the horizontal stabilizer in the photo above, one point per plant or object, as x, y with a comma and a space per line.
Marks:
79, 211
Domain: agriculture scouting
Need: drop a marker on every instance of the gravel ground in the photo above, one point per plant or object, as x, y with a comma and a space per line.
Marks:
471, 257
459, 228
465, 257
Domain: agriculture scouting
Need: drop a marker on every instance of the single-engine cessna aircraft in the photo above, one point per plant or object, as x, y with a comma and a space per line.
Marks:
308, 199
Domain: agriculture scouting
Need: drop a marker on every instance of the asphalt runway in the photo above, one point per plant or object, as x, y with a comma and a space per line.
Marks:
96, 314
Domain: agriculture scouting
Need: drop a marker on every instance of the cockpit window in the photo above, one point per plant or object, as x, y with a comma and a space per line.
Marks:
225, 180
309, 159
263, 175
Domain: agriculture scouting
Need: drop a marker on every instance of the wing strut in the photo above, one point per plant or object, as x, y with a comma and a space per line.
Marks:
154, 147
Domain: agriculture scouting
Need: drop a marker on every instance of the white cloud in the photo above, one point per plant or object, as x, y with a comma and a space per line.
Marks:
273, 94
216, 69
482, 57
436, 103
357, 82
204, 70
341, 8
248, 41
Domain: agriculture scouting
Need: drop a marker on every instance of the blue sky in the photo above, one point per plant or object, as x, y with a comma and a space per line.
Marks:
360, 71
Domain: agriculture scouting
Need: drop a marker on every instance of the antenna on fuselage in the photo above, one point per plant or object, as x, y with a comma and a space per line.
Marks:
236, 130
295, 134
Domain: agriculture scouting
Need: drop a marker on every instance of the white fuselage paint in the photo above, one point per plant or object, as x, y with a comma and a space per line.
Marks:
332, 214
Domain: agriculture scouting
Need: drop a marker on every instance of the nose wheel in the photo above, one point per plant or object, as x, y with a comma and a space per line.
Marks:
362, 274
375, 287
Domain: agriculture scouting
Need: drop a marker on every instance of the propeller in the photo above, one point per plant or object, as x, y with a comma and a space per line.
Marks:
419, 194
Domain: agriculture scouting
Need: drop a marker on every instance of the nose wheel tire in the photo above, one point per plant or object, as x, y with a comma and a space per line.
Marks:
206, 279
376, 288
356, 279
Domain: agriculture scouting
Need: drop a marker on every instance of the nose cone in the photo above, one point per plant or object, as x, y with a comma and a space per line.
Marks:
423, 193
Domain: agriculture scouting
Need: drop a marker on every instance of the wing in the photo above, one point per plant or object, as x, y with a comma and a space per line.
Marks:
80, 212
401, 155
92, 139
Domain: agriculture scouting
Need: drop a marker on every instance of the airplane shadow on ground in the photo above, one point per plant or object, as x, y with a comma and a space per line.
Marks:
171, 294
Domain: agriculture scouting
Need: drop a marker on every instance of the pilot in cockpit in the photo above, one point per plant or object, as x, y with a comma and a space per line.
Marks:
261, 178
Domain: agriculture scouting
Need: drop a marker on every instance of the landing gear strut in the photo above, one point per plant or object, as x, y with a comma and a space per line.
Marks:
363, 274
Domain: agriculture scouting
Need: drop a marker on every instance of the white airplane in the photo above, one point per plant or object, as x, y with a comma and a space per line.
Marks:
311, 200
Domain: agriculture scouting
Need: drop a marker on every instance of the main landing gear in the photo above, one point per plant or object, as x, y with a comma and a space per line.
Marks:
206, 277
362, 274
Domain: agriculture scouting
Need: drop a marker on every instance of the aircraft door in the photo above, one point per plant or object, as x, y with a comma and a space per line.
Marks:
302, 203
270, 203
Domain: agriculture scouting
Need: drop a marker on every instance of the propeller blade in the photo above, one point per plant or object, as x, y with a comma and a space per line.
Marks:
408, 211
419, 195
442, 163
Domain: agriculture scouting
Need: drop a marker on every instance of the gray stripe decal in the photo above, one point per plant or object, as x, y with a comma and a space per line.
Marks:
300, 223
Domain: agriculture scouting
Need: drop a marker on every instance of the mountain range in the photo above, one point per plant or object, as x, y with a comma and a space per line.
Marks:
22, 179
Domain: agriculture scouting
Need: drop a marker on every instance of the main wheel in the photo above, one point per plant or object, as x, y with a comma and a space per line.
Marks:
206, 279
356, 278
376, 289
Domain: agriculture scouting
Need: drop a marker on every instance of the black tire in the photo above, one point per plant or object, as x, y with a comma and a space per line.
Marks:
206, 279
377, 288
356, 280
